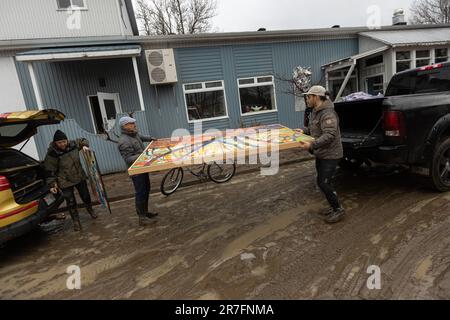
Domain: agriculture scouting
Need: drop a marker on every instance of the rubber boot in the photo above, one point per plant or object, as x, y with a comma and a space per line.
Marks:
75, 219
150, 215
142, 214
91, 212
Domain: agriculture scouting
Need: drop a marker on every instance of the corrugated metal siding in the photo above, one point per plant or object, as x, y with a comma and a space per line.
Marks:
199, 64
368, 44
253, 60
260, 119
66, 85
31, 19
312, 54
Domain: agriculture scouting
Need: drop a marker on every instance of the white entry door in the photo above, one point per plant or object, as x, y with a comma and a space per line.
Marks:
109, 107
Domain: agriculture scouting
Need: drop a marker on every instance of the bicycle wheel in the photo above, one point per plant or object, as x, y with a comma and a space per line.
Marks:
221, 173
172, 181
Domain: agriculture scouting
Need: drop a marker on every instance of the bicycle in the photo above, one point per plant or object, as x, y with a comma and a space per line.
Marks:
218, 173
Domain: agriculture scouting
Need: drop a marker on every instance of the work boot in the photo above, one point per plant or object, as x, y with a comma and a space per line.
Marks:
144, 221
149, 214
326, 212
91, 212
336, 216
75, 220
142, 214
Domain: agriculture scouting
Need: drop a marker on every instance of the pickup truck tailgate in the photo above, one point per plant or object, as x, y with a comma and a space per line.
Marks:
361, 122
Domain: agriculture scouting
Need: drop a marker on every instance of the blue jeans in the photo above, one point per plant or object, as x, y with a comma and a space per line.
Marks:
141, 184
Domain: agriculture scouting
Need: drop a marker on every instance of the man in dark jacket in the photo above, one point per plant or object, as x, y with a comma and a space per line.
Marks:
131, 146
327, 147
64, 167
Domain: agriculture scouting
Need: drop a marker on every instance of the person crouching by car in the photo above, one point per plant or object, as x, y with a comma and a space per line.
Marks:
327, 147
63, 165
131, 146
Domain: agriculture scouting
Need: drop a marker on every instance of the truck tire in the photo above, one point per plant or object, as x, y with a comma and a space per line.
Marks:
440, 166
350, 164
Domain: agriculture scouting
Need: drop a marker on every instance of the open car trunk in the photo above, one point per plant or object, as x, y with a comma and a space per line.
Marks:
25, 175
361, 123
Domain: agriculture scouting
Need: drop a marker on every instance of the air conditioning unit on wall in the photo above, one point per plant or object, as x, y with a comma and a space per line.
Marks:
161, 66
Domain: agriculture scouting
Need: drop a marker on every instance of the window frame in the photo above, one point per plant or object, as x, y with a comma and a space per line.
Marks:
366, 82
413, 51
204, 89
365, 66
429, 57
343, 74
72, 7
411, 60
441, 48
254, 85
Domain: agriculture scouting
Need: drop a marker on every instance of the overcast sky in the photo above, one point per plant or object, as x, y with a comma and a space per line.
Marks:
250, 15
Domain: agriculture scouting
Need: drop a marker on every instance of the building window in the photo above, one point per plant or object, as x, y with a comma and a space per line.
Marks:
336, 79
403, 60
205, 100
441, 55
423, 58
257, 95
375, 85
71, 4
374, 61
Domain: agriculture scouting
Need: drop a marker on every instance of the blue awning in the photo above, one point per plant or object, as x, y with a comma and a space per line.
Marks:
80, 53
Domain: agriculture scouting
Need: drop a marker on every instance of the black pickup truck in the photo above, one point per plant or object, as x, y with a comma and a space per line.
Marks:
409, 126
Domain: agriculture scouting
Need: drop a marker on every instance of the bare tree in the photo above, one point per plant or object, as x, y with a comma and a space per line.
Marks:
163, 17
430, 12
143, 15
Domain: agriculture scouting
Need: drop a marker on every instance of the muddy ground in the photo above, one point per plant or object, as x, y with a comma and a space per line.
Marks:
256, 237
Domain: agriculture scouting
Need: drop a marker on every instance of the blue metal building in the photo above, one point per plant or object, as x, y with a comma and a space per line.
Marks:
240, 73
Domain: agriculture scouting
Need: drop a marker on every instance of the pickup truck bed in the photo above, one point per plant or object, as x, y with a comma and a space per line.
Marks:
409, 126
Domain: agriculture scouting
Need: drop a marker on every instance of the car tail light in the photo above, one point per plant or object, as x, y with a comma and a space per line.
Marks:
4, 183
433, 66
394, 124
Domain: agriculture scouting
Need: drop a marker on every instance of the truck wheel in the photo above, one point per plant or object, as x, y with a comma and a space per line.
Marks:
440, 166
350, 164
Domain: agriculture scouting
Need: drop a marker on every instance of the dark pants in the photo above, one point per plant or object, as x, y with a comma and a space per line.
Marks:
141, 184
325, 171
69, 196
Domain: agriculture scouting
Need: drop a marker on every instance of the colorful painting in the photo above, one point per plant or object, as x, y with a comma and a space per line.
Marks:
166, 154
95, 178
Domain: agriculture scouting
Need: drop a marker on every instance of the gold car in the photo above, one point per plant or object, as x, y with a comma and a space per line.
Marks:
25, 200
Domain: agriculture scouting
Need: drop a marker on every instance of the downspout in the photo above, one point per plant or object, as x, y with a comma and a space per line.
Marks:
119, 12
35, 85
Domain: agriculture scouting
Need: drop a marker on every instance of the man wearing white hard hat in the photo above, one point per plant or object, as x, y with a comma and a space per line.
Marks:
327, 147
131, 146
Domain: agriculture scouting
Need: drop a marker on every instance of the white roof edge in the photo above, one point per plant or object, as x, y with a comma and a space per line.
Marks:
78, 55
356, 57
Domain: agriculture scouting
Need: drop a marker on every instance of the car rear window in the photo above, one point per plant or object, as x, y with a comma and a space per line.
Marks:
428, 81
10, 158
12, 130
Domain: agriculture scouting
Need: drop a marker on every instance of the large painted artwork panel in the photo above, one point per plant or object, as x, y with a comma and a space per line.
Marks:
165, 154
